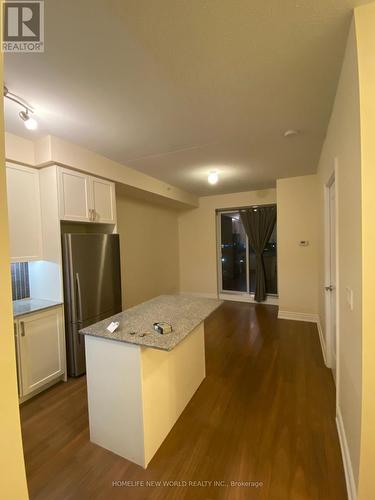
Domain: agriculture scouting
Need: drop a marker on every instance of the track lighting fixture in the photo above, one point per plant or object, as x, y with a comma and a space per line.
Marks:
29, 122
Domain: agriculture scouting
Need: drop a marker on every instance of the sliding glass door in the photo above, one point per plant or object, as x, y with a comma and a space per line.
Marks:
236, 258
233, 254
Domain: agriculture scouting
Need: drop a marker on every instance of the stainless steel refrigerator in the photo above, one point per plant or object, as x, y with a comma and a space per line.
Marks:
92, 288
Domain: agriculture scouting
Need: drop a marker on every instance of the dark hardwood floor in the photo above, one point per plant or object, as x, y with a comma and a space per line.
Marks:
265, 413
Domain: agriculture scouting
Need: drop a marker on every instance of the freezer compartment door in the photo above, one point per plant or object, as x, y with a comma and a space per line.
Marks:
75, 350
76, 345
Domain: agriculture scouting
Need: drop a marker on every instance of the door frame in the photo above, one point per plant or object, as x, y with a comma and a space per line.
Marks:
221, 292
233, 295
334, 178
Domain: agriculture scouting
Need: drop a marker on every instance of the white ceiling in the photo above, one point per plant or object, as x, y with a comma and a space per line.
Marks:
176, 88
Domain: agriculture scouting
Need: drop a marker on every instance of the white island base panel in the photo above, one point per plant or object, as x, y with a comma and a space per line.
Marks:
136, 394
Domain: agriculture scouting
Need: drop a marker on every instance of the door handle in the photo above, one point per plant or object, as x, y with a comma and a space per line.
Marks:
79, 297
93, 215
79, 300
22, 325
329, 288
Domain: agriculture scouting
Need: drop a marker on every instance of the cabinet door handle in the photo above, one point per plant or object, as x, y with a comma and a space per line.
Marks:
22, 325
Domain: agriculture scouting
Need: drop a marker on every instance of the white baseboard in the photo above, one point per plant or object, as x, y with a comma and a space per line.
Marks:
232, 297
322, 342
198, 294
310, 318
349, 476
249, 298
297, 316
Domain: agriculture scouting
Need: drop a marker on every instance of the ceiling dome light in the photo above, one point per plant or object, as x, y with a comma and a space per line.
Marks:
213, 177
291, 133
30, 123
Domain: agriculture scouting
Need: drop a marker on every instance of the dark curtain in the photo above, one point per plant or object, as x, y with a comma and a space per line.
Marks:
258, 224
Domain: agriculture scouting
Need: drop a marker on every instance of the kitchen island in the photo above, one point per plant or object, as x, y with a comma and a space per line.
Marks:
139, 381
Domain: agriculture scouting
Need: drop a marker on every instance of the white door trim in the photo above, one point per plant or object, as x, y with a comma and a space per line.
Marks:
334, 178
236, 294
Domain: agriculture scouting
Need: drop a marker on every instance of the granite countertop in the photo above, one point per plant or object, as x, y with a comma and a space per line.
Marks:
27, 306
183, 312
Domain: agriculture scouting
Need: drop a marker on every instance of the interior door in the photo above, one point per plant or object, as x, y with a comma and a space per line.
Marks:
332, 272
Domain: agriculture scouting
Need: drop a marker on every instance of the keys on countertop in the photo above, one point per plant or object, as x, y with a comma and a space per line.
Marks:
143, 334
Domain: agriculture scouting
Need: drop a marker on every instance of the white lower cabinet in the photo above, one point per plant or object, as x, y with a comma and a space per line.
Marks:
40, 344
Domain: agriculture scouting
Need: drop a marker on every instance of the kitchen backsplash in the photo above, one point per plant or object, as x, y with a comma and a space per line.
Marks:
20, 280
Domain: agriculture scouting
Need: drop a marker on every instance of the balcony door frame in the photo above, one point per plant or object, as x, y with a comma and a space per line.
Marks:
233, 294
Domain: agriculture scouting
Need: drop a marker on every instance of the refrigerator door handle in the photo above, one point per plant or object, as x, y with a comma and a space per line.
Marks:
79, 300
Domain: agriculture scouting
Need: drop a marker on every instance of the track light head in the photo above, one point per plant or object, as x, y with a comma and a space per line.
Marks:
30, 123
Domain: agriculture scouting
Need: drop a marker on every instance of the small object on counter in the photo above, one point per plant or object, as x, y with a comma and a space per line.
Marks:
132, 333
163, 328
113, 326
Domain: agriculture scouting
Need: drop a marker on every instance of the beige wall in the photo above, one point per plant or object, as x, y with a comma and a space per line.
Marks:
149, 249
197, 236
12, 469
297, 219
365, 22
20, 149
342, 146
49, 150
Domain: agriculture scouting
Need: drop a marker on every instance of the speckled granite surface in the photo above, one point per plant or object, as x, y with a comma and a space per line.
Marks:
27, 306
183, 312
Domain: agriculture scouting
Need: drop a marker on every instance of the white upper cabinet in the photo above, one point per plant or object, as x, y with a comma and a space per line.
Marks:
103, 200
24, 213
85, 198
74, 194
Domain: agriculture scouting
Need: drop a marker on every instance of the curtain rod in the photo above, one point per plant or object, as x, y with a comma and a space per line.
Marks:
238, 209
